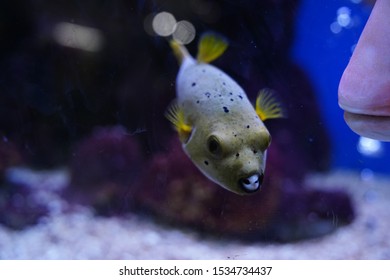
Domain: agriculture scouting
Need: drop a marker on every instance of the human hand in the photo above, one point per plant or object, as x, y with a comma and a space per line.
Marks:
364, 89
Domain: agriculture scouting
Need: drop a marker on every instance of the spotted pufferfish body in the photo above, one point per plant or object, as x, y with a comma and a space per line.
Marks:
220, 130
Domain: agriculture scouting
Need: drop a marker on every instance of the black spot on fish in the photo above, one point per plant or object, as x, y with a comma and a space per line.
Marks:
225, 109
231, 99
254, 151
237, 155
206, 162
193, 84
240, 96
208, 94
224, 83
197, 101
248, 126
220, 95
231, 93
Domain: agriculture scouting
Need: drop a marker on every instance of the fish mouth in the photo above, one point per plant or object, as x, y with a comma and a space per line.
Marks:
251, 183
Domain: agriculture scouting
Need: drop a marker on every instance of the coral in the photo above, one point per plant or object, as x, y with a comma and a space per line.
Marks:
103, 167
306, 213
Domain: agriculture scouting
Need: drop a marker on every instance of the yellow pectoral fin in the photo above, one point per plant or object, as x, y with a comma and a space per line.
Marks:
211, 46
176, 116
267, 106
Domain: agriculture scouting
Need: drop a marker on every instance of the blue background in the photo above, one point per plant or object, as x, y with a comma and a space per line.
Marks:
324, 56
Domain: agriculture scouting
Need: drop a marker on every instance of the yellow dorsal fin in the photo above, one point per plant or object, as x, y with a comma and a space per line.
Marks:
211, 46
175, 115
267, 106
178, 50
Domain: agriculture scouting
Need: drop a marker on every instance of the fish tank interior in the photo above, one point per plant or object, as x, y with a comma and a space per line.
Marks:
90, 167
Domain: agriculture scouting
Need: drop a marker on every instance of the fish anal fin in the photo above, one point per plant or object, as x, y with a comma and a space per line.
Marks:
175, 115
267, 106
211, 46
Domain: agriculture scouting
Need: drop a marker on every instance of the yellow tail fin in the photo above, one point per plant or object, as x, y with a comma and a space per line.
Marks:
211, 46
267, 106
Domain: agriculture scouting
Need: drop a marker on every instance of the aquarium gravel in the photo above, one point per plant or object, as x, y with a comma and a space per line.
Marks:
74, 232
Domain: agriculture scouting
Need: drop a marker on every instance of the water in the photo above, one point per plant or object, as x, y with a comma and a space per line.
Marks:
324, 52
87, 154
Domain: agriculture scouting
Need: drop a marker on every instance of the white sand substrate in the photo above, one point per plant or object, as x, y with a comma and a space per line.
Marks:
79, 234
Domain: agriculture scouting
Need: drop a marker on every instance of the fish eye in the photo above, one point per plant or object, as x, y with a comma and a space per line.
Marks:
214, 146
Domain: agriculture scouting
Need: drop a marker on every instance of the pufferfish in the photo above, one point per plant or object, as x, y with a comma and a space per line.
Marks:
220, 130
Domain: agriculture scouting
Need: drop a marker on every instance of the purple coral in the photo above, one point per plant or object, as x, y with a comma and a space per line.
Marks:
103, 167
